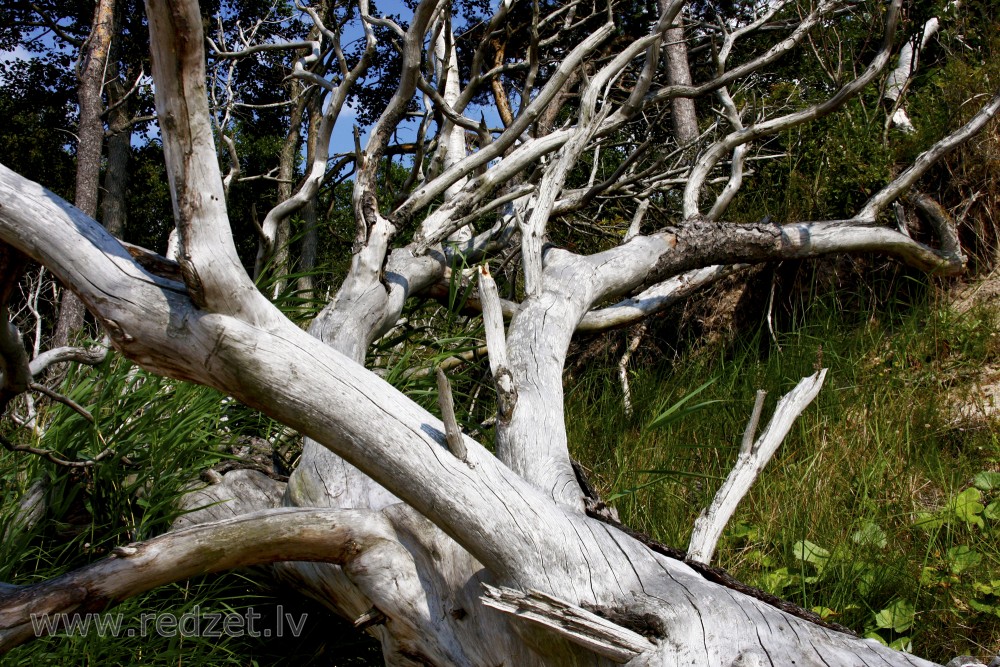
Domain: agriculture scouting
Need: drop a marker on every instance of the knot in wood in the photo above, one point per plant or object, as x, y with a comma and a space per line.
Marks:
192, 280
506, 395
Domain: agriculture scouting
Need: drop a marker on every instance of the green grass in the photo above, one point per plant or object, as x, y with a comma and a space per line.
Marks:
875, 510
163, 434
880, 448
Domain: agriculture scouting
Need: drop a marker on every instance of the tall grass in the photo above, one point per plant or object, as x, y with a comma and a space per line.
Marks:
163, 434
838, 521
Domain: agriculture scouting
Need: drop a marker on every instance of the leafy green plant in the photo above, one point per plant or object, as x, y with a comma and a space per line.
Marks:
161, 434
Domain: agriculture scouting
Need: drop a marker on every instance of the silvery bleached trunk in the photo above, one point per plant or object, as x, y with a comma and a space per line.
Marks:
447, 553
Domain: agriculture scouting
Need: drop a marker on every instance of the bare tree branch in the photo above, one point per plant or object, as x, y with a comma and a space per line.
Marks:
752, 458
334, 536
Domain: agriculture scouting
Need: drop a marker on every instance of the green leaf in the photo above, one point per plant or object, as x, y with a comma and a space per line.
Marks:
984, 608
870, 535
992, 511
986, 589
967, 507
930, 576
876, 636
928, 521
904, 644
777, 581
962, 558
745, 530
987, 480
824, 612
811, 553
897, 617
866, 582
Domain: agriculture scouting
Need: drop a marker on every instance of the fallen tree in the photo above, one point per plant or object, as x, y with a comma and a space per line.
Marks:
449, 553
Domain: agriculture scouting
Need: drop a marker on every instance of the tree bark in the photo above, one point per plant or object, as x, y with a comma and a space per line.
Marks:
682, 111
113, 212
91, 70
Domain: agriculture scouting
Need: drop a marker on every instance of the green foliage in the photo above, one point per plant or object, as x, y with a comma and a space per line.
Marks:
880, 509
162, 434
829, 168
36, 133
680, 409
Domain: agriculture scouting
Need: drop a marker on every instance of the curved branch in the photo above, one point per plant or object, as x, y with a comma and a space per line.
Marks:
429, 191
90, 356
317, 169
268, 536
654, 299
756, 131
925, 160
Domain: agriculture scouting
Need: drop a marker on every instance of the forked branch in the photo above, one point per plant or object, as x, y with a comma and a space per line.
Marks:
753, 456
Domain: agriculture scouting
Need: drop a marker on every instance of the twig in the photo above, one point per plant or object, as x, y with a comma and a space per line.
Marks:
623, 367
59, 398
52, 456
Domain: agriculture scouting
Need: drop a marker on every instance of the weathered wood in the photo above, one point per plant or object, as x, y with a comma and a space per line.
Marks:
575, 623
339, 536
750, 462
433, 514
452, 431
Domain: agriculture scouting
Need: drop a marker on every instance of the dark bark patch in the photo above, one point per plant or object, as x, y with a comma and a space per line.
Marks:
649, 626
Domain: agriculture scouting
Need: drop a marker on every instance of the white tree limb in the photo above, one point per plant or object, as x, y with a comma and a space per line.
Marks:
752, 458
339, 536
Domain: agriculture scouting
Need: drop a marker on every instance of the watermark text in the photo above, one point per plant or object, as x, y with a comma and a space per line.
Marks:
194, 623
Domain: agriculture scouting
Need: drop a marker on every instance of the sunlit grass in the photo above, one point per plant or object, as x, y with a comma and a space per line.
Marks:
882, 443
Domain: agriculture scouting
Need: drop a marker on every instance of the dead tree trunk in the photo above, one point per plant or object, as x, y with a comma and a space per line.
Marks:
91, 70
465, 557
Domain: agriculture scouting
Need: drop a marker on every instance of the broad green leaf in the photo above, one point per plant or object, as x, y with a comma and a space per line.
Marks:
777, 581
897, 617
824, 612
986, 589
967, 507
984, 608
904, 644
876, 636
992, 511
987, 480
870, 535
865, 582
962, 558
811, 553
